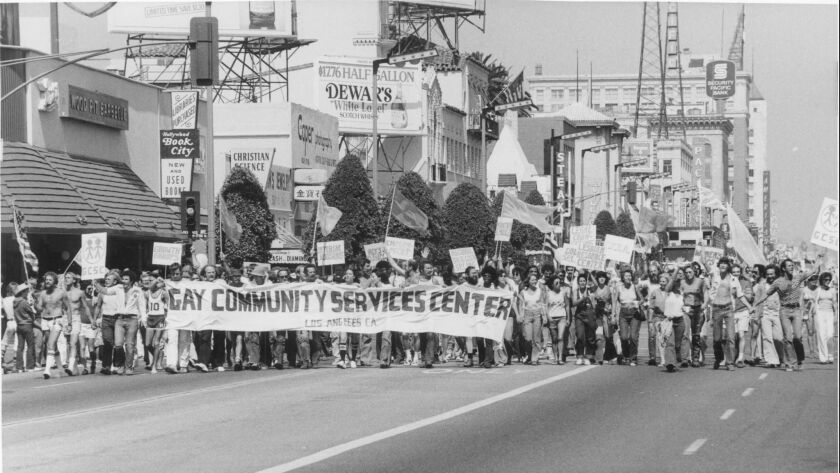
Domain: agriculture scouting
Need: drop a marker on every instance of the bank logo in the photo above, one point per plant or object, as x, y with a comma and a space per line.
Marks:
721, 71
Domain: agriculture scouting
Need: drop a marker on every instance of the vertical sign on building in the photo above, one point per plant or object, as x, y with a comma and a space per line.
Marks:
184, 109
765, 188
720, 79
178, 150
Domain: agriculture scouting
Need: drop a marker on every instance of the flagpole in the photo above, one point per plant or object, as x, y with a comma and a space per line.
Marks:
71, 262
17, 235
390, 208
315, 228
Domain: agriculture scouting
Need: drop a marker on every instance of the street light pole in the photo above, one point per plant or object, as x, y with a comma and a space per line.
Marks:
374, 129
209, 176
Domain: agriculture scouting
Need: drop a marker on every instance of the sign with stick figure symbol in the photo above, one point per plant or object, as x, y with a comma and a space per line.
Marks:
826, 228
93, 253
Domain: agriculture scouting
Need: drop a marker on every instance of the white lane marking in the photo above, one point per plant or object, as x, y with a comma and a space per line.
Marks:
727, 414
694, 447
747, 392
56, 384
762, 376
121, 405
355, 444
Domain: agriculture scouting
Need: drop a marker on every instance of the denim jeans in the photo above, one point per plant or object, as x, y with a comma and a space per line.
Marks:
26, 338
724, 343
106, 351
585, 343
628, 329
532, 332
125, 334
695, 315
791, 318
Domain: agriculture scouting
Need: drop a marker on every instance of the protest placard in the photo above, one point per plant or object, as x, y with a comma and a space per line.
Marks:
582, 234
463, 258
93, 253
503, 228
375, 252
825, 230
584, 256
617, 248
164, 254
330, 252
400, 248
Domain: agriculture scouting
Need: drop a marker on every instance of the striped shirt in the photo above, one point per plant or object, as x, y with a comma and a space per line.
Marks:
790, 289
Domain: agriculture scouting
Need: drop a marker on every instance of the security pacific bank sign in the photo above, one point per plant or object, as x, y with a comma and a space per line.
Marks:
461, 311
720, 79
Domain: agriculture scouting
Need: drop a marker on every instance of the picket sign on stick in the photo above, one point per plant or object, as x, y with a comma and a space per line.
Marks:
463, 258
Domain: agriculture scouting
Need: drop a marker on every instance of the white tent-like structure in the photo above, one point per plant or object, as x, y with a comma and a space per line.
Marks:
508, 157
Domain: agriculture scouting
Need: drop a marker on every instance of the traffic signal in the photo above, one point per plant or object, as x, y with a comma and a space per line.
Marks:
204, 51
190, 210
631, 193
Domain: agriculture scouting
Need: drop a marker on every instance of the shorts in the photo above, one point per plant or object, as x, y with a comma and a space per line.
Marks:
75, 317
742, 320
48, 325
555, 321
156, 322
87, 331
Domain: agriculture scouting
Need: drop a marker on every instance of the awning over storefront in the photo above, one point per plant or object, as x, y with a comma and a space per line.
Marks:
62, 194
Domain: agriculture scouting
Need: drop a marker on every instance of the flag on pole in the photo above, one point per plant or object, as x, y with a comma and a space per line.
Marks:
23, 241
326, 216
408, 214
232, 228
550, 243
742, 241
709, 199
527, 214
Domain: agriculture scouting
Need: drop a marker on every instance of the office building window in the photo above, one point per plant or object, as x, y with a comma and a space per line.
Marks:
596, 96
667, 166
556, 94
628, 94
611, 95
538, 94
752, 172
555, 107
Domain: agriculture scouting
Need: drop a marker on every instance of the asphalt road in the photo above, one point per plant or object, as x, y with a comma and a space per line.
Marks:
518, 418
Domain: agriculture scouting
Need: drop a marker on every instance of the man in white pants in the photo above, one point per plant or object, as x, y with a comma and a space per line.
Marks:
771, 325
177, 350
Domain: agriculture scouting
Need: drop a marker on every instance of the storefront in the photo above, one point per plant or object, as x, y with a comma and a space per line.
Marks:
80, 156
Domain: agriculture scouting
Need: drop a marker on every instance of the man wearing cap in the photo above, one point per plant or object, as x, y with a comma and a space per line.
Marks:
252, 339
25, 319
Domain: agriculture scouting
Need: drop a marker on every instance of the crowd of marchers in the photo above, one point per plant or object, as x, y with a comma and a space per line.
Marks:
772, 316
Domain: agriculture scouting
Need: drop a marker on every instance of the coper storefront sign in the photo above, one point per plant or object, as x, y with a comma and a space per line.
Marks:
94, 107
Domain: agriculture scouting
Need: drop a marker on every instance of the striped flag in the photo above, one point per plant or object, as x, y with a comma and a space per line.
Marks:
23, 241
550, 243
231, 226
409, 214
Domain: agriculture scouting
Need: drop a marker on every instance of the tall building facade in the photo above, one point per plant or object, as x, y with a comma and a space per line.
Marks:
743, 157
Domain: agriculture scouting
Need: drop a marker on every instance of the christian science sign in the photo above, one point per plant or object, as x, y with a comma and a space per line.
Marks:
94, 107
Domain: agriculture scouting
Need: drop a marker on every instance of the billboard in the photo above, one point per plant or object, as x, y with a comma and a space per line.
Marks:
720, 79
343, 89
237, 19
642, 149
466, 5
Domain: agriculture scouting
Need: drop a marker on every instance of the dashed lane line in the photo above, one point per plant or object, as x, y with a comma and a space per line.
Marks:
747, 392
692, 449
762, 376
727, 414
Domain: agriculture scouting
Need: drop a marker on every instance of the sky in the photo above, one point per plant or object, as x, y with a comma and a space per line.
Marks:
793, 47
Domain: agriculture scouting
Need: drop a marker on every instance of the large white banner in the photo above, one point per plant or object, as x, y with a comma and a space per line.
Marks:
344, 90
461, 311
241, 19
257, 160
93, 253
825, 230
617, 248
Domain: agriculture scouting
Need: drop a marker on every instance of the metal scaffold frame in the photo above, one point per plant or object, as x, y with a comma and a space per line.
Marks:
247, 66
425, 21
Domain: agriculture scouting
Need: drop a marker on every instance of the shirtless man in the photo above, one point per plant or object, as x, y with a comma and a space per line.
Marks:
55, 308
80, 314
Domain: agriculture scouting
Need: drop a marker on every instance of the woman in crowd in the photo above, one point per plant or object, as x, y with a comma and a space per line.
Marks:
824, 312
533, 316
158, 304
759, 290
583, 301
630, 316
559, 302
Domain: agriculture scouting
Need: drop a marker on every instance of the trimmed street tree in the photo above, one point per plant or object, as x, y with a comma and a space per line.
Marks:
604, 224
624, 226
469, 220
349, 190
246, 200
